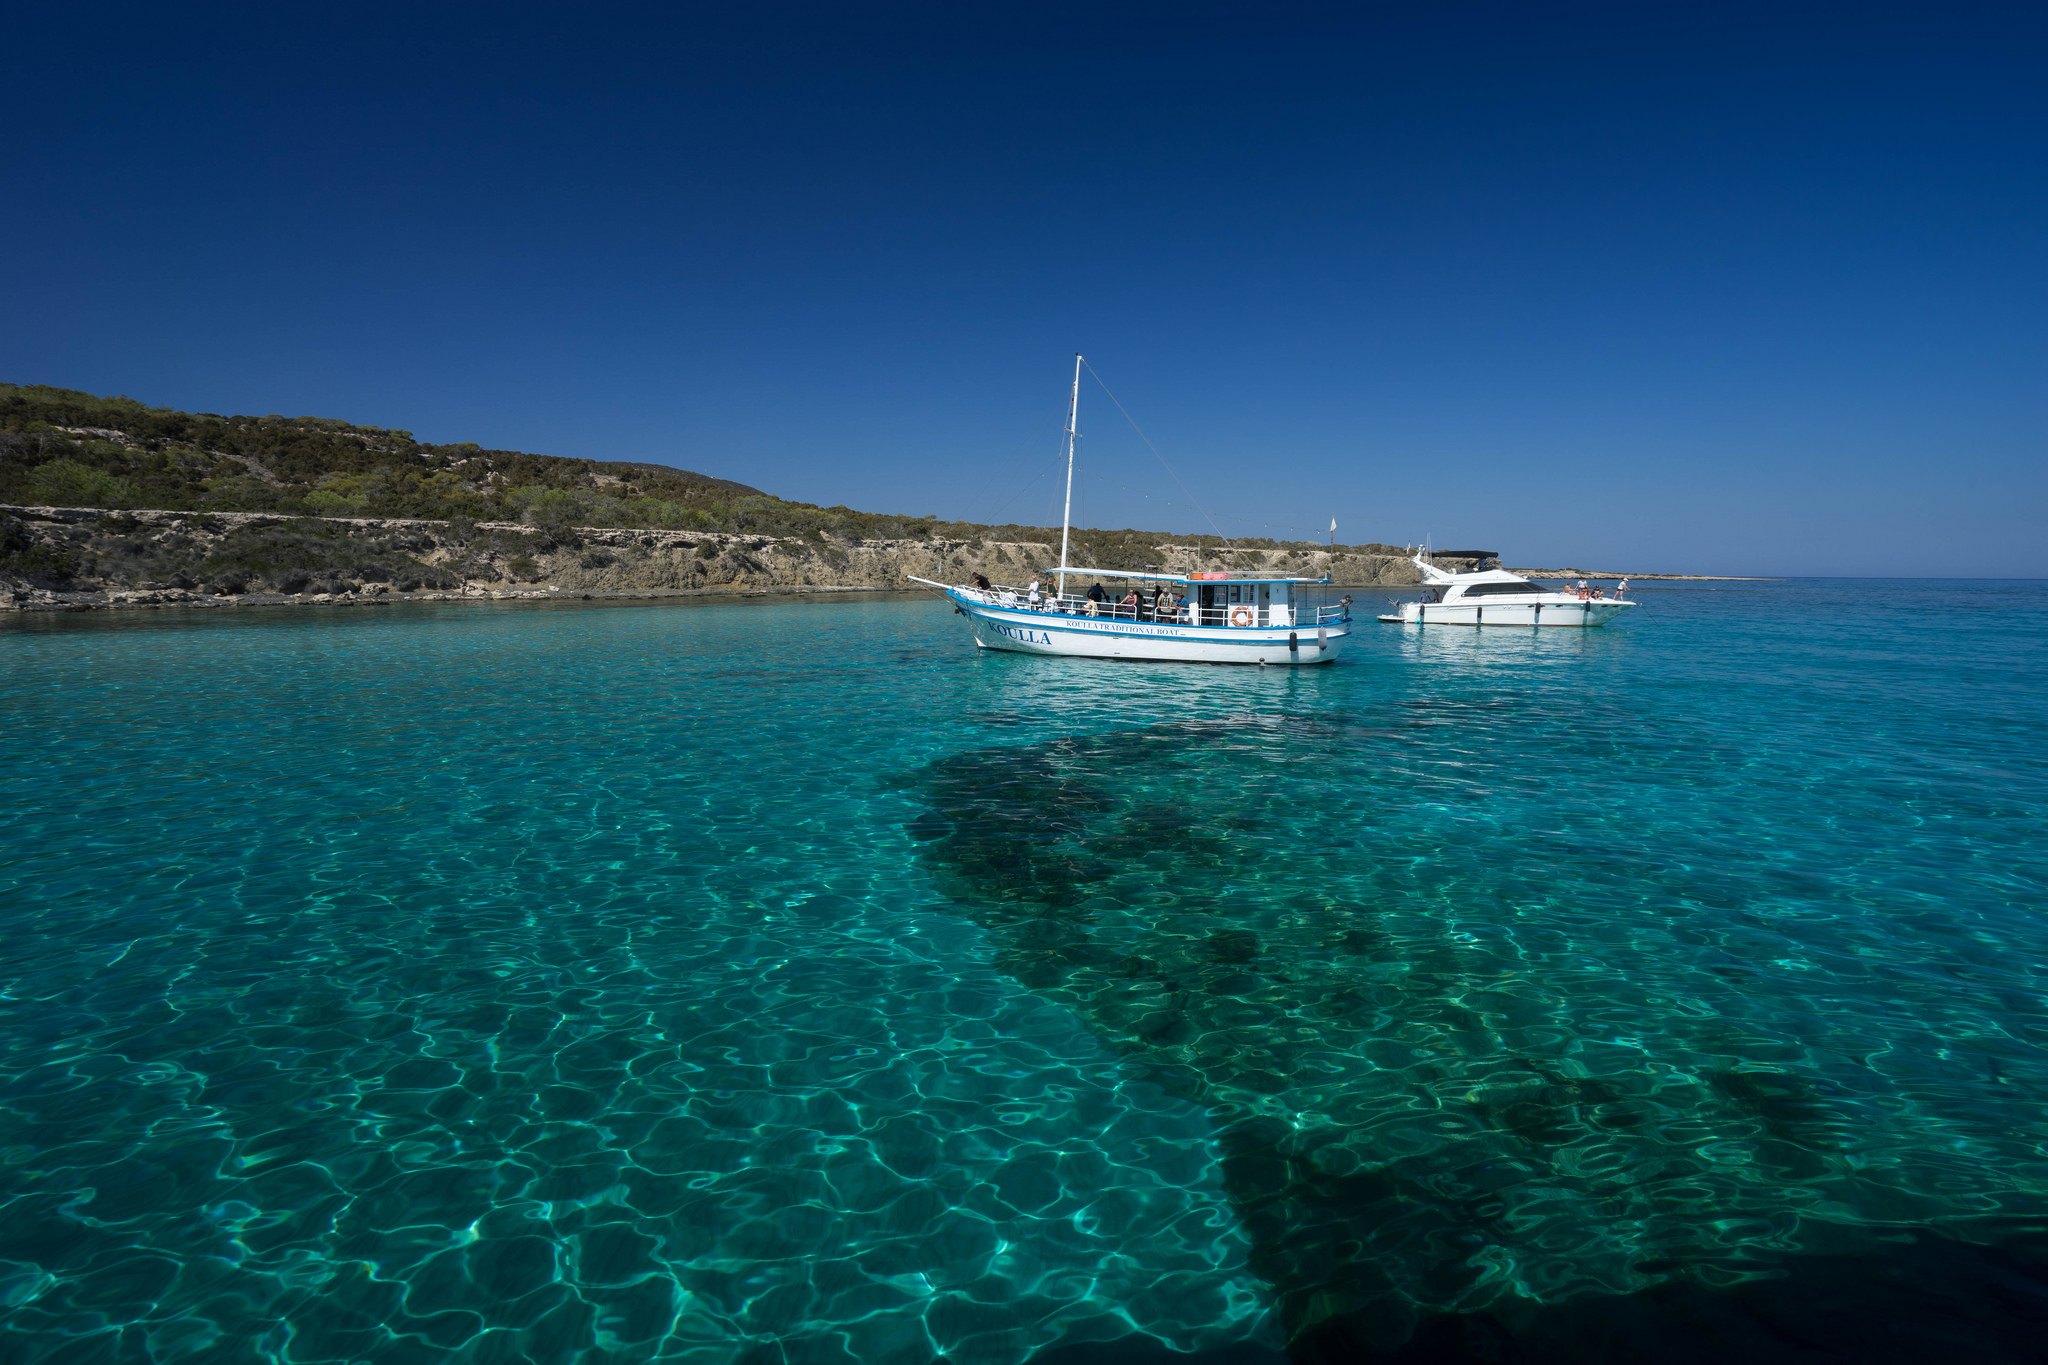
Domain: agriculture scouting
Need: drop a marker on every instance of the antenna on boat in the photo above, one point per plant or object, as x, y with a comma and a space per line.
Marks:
1067, 515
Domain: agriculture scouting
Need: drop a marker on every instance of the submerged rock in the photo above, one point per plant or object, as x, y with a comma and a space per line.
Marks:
1407, 1121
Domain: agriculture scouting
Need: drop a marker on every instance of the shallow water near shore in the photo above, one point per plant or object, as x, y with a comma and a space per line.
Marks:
786, 981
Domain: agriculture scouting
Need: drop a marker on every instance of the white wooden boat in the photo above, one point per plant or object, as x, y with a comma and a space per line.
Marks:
1227, 618
1218, 618
1495, 597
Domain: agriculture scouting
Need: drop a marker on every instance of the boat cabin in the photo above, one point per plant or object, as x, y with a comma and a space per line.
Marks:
1491, 583
1221, 600
1230, 600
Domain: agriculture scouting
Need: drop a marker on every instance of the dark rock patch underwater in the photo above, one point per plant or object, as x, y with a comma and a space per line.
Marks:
1430, 1133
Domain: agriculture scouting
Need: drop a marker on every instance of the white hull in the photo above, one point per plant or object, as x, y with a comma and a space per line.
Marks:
1557, 611
1045, 632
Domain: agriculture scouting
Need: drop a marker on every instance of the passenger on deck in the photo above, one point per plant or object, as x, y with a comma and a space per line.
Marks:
981, 581
1096, 597
1031, 593
1181, 611
1161, 604
1127, 605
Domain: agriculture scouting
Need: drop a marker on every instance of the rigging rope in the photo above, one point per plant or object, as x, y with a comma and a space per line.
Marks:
1162, 460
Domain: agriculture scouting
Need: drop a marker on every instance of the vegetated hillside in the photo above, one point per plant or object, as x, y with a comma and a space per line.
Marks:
72, 559
66, 448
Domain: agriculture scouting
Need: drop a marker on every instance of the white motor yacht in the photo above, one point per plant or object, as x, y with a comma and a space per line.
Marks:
1495, 597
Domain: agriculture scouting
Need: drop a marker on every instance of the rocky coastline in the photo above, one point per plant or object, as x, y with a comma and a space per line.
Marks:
79, 559
261, 511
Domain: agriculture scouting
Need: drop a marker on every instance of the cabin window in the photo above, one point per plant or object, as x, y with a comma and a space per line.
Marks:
1498, 589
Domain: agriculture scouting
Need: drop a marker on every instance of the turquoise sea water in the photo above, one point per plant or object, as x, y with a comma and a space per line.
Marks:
748, 982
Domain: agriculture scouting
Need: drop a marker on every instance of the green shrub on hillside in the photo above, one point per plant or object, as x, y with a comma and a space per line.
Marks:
64, 482
328, 503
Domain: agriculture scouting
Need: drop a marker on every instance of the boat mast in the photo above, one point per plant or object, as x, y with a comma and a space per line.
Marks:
1067, 516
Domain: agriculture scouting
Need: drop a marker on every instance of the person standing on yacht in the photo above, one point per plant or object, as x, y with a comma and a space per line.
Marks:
1031, 593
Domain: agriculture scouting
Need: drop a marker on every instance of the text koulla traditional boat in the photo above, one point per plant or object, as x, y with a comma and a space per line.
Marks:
1228, 617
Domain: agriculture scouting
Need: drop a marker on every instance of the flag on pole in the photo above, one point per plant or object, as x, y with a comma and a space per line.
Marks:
1333, 526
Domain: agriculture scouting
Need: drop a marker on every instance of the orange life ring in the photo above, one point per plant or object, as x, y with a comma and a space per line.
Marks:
1243, 616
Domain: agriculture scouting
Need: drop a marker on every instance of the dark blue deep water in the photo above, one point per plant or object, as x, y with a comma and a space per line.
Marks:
727, 983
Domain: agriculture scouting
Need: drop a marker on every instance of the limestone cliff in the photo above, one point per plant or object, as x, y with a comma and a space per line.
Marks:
55, 558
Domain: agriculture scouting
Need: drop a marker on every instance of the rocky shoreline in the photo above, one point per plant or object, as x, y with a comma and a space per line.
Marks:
81, 559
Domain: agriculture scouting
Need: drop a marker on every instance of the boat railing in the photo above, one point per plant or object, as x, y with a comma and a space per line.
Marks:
1077, 604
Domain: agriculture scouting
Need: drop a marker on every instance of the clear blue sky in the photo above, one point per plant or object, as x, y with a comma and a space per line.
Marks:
1711, 287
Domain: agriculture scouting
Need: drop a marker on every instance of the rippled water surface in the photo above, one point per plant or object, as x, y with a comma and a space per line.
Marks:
729, 982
